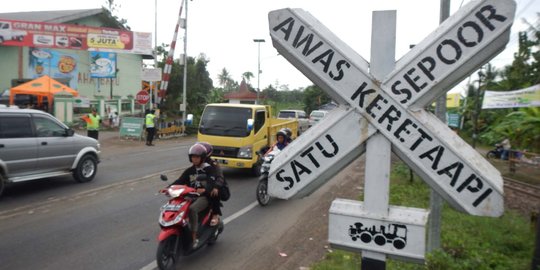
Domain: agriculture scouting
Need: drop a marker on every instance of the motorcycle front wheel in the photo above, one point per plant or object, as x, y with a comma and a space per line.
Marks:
167, 254
262, 192
491, 155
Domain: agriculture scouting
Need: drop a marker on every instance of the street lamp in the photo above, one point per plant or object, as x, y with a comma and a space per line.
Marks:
258, 41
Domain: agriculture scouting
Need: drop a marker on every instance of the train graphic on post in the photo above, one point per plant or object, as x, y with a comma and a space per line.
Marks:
396, 234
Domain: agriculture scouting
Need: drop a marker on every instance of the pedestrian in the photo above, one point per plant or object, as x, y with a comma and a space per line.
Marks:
92, 124
150, 122
506, 148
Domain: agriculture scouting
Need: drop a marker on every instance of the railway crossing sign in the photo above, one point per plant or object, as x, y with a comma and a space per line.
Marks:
394, 105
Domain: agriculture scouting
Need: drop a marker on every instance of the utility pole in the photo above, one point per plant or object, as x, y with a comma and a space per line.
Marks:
435, 200
258, 41
185, 71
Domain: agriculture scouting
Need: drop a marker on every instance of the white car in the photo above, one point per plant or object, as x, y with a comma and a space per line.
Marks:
316, 116
301, 116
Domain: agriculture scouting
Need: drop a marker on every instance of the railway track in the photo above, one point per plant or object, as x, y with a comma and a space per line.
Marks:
523, 188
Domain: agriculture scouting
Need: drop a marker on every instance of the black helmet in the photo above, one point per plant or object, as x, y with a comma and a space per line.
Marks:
281, 132
208, 147
197, 150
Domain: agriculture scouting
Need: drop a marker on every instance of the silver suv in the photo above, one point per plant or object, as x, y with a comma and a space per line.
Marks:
35, 145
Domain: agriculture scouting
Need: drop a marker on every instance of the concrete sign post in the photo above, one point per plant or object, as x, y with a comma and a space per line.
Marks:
391, 99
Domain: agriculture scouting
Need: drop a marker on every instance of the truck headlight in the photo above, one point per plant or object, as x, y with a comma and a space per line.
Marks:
245, 152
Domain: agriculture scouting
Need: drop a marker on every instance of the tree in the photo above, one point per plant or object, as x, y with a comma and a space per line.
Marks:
226, 81
314, 97
113, 7
521, 126
247, 76
199, 85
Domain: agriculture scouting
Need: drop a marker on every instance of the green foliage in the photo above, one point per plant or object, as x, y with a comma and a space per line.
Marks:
468, 242
199, 86
314, 97
495, 124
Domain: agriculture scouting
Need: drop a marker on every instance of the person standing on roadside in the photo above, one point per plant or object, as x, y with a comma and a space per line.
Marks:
150, 122
92, 124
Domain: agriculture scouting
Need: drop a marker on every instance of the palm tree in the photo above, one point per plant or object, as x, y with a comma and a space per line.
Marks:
224, 77
247, 76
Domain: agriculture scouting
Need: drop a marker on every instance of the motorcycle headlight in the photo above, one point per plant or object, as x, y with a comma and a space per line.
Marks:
245, 152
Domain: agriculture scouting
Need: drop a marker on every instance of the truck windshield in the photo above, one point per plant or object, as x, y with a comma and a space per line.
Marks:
286, 114
225, 121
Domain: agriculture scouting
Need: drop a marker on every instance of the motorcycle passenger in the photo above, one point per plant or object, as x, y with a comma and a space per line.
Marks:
289, 134
215, 202
197, 156
281, 142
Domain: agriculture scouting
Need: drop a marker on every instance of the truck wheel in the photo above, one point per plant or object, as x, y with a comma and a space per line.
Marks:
86, 169
1, 39
256, 169
2, 185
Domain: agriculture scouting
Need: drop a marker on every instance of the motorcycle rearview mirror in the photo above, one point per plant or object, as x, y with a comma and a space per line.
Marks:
163, 177
189, 119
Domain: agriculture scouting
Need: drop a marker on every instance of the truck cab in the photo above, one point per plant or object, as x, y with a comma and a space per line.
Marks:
238, 131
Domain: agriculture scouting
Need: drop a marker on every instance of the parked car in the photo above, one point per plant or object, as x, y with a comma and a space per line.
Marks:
36, 145
20, 100
299, 115
316, 116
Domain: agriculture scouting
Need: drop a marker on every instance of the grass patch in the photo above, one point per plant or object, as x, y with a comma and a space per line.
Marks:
468, 242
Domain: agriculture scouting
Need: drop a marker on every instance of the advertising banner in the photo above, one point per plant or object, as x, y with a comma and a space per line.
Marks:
102, 65
528, 97
452, 100
75, 37
53, 63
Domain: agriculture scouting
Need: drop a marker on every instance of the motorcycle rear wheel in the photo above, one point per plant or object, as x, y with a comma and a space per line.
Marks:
167, 255
262, 192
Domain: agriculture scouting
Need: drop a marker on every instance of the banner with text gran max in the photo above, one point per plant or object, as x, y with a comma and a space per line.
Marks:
74, 37
394, 107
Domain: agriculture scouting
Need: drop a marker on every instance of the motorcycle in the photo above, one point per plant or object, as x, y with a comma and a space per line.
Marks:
262, 187
175, 238
495, 153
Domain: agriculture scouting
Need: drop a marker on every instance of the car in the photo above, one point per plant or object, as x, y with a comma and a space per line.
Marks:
36, 145
21, 100
299, 115
316, 116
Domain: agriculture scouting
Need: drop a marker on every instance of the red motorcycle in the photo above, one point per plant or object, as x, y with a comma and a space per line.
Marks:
175, 238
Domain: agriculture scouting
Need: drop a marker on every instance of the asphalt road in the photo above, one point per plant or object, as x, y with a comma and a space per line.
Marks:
111, 222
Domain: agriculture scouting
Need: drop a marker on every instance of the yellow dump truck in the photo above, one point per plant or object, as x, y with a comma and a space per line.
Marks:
238, 131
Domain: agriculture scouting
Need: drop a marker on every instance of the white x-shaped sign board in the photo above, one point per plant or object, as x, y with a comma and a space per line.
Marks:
394, 105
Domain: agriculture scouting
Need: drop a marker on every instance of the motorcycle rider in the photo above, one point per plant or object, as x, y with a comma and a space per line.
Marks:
281, 141
197, 156
215, 202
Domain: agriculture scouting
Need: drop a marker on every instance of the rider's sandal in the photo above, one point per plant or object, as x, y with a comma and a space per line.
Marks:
215, 220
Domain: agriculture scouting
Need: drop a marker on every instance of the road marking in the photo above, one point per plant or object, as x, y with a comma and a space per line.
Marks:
240, 213
153, 264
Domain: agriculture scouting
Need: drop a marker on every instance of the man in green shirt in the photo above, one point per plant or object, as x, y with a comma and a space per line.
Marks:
150, 122
92, 124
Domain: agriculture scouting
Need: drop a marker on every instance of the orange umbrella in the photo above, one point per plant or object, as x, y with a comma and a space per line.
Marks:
43, 86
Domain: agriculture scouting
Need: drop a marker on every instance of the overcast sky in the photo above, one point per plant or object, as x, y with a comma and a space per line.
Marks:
224, 30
